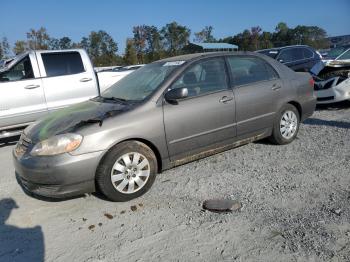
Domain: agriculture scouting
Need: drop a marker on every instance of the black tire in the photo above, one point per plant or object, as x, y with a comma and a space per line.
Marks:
103, 173
277, 137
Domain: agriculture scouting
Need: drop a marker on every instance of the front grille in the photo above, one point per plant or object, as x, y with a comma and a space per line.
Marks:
326, 98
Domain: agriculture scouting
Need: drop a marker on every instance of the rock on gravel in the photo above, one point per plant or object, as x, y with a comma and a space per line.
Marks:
222, 205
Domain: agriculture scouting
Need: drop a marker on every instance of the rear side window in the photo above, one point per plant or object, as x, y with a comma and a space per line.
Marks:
290, 55
59, 64
247, 70
307, 53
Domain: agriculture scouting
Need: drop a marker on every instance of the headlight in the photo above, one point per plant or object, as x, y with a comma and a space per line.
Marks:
57, 145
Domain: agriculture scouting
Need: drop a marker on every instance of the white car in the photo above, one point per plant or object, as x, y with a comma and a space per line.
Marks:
337, 56
332, 77
332, 90
109, 77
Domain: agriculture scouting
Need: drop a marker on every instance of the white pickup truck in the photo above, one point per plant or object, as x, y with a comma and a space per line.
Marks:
37, 82
107, 78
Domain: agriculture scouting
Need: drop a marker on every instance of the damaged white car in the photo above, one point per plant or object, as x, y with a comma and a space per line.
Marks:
332, 76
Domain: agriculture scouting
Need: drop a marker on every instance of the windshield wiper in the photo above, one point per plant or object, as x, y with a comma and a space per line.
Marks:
113, 98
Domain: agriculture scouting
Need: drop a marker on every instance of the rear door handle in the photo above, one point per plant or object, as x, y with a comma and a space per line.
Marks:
31, 86
85, 79
276, 87
225, 99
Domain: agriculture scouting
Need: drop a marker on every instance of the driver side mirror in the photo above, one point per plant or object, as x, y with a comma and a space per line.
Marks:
175, 94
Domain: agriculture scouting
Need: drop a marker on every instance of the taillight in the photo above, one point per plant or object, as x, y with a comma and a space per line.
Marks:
312, 82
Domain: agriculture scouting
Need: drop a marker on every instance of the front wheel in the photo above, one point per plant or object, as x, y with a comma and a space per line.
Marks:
127, 171
286, 125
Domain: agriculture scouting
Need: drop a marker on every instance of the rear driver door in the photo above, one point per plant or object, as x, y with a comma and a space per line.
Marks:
257, 89
67, 79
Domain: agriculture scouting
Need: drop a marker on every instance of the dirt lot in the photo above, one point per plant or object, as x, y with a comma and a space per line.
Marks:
295, 208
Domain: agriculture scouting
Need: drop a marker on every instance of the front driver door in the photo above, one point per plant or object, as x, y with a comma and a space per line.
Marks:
206, 118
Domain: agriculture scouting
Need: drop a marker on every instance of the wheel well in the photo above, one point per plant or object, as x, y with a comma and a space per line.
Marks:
298, 107
147, 143
153, 148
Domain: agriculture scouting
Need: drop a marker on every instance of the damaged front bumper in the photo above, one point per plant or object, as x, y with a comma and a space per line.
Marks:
332, 90
332, 81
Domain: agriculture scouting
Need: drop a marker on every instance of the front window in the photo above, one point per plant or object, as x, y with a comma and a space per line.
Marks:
21, 71
203, 78
142, 83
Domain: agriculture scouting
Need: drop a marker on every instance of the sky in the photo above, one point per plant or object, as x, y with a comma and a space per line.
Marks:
77, 18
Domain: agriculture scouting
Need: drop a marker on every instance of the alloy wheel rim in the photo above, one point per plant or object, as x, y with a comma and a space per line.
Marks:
130, 173
288, 124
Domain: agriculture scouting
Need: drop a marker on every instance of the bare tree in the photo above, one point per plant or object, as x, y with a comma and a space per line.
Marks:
38, 39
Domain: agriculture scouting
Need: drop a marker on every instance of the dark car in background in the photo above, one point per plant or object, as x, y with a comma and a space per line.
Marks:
162, 115
300, 58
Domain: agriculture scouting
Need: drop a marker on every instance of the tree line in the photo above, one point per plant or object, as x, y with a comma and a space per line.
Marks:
149, 43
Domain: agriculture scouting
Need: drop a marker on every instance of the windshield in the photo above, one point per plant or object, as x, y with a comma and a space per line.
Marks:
141, 83
335, 52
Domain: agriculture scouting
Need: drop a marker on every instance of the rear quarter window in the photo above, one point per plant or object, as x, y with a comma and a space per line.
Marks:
59, 64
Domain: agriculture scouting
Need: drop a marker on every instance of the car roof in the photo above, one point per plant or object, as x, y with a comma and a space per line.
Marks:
283, 47
195, 56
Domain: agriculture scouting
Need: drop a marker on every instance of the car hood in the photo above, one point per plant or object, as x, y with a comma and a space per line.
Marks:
337, 63
72, 118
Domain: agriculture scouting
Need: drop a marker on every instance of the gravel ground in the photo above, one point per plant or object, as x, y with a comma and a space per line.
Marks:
295, 207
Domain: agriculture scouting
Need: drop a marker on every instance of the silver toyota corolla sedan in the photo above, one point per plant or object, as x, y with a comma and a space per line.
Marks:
165, 114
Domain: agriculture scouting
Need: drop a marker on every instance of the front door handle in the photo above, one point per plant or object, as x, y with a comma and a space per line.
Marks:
85, 79
225, 99
276, 87
31, 86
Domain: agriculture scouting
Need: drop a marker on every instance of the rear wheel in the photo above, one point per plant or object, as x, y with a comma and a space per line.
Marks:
286, 125
127, 171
